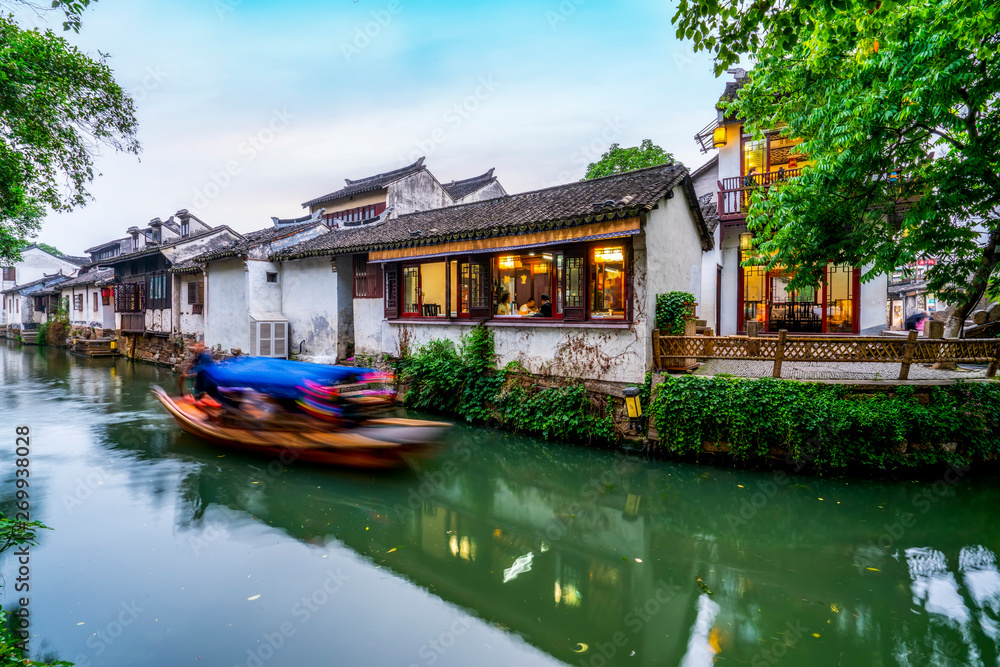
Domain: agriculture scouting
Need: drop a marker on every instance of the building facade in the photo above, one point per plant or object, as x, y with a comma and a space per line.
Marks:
744, 164
566, 276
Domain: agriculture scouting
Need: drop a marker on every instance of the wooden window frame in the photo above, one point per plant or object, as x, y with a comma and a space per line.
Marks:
78, 302
577, 313
367, 278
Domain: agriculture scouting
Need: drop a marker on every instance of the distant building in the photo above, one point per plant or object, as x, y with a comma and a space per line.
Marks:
153, 277
393, 193
251, 304
36, 269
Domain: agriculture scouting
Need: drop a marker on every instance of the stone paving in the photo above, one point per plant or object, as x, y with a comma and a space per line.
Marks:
825, 370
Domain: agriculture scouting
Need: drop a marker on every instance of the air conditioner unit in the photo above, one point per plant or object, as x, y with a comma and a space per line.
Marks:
269, 335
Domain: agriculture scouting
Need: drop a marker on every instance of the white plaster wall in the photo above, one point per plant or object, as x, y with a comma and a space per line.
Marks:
265, 297
159, 320
36, 264
674, 249
729, 155
491, 191
190, 323
710, 261
419, 192
874, 295
730, 281
87, 317
227, 323
309, 301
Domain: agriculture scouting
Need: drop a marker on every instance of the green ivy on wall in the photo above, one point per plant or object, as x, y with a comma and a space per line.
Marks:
828, 426
464, 381
671, 308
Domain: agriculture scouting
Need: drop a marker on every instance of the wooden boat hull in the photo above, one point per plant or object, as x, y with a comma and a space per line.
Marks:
379, 443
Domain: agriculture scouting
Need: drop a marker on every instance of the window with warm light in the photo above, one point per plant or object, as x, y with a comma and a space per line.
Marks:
526, 285
570, 283
607, 282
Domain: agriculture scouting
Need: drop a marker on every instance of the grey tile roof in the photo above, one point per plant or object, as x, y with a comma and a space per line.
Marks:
153, 249
56, 278
464, 188
251, 239
107, 244
376, 182
583, 202
709, 211
90, 278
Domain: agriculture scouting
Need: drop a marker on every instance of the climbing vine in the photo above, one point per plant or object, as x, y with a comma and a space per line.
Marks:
463, 380
671, 308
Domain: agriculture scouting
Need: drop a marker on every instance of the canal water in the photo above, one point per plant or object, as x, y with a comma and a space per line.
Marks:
502, 550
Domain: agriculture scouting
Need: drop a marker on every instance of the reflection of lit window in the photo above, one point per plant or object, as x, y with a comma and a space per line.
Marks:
464, 547
567, 594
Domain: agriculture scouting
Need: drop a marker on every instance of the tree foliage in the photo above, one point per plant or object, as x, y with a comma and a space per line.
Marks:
58, 108
898, 104
618, 160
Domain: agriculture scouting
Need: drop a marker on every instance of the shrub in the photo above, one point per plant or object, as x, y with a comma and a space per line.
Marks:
464, 381
671, 309
825, 425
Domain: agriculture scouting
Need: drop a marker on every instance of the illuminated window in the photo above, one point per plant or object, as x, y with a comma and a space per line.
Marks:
526, 283
607, 282
411, 290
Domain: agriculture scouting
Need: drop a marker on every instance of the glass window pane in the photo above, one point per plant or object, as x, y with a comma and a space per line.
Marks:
574, 282
432, 289
839, 298
560, 299
607, 286
525, 283
453, 278
753, 158
753, 294
411, 290
464, 288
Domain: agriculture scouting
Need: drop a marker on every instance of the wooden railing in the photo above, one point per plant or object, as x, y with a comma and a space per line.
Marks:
133, 322
670, 351
735, 192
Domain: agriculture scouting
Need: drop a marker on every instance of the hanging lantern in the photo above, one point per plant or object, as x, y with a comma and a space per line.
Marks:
746, 241
719, 137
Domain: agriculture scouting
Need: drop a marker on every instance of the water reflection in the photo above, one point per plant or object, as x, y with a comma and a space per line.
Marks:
595, 558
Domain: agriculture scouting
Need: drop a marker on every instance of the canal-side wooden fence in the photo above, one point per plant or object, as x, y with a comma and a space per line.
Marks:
671, 351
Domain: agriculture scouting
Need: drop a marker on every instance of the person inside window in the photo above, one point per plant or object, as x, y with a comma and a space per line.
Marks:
751, 178
545, 310
503, 308
527, 309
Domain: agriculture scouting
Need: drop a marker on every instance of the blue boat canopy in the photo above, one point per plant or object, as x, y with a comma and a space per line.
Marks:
279, 378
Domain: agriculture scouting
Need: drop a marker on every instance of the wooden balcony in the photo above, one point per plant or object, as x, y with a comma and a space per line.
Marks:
133, 323
735, 193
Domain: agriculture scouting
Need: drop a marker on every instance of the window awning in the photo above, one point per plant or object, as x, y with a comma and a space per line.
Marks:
593, 232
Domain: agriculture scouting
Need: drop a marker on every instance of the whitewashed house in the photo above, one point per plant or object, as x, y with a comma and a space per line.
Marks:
89, 298
152, 279
597, 251
245, 293
318, 292
36, 264
733, 295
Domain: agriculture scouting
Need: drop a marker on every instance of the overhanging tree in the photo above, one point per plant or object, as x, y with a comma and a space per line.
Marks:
58, 108
618, 160
898, 104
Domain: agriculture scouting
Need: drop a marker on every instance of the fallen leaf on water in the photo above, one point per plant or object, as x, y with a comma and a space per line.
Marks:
254, 597
81, 623
816, 634
583, 648
873, 569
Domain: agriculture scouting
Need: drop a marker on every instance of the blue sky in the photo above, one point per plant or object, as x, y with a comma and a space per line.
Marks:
248, 108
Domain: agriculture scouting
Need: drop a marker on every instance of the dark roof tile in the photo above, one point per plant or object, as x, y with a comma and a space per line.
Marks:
461, 189
611, 197
376, 182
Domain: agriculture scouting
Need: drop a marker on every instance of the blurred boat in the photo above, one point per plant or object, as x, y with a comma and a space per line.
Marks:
334, 415
374, 443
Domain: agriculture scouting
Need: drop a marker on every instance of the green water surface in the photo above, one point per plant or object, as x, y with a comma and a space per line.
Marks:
500, 550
